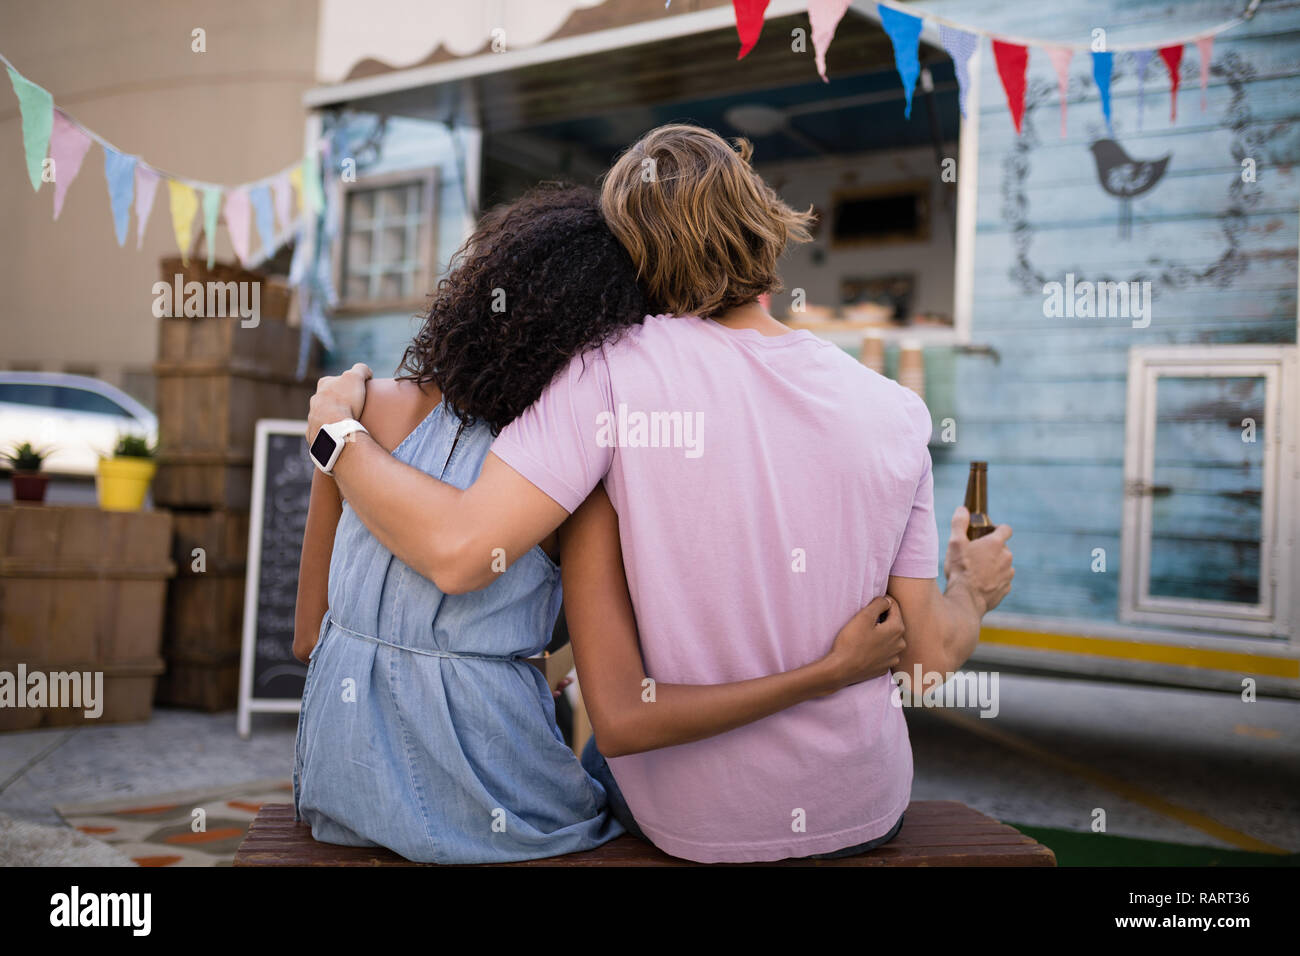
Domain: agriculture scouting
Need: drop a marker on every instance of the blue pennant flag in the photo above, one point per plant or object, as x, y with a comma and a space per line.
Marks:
119, 170
905, 33
960, 46
260, 197
1101, 64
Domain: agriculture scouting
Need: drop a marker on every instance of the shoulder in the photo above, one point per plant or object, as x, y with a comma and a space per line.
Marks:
394, 408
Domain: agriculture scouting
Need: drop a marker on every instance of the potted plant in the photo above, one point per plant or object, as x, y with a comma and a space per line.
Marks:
123, 480
26, 461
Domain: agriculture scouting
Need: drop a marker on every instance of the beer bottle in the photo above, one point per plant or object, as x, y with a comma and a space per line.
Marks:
977, 500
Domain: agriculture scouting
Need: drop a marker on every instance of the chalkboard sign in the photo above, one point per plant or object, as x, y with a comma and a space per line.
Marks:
270, 677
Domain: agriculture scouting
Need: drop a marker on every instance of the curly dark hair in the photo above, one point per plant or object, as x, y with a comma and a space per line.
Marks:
541, 280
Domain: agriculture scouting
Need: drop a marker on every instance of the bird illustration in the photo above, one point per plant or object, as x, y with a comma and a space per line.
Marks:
1125, 178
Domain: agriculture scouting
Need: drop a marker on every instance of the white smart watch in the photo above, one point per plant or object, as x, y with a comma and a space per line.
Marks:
329, 442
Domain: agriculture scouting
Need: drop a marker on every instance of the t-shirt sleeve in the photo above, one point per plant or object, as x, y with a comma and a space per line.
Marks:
918, 554
554, 443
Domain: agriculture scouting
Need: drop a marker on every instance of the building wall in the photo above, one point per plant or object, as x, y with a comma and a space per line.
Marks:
1221, 255
73, 300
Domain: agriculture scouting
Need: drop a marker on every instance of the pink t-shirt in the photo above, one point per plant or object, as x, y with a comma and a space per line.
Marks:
766, 487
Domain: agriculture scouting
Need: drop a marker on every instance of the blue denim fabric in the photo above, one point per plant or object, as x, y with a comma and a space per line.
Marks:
595, 764
423, 728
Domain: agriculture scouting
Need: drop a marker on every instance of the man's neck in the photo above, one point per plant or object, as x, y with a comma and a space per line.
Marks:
751, 316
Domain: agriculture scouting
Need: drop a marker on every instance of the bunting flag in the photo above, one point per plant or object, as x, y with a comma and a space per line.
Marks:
237, 213
37, 108
824, 16
260, 197
146, 187
313, 189
1143, 58
211, 207
1173, 57
1101, 67
1205, 46
1013, 62
282, 193
295, 180
185, 205
904, 32
749, 23
960, 46
68, 147
119, 172
1060, 57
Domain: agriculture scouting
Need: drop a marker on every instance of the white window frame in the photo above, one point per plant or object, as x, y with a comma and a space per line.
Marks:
1273, 616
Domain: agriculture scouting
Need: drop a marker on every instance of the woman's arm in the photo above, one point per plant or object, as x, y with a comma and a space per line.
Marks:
323, 511
392, 410
629, 713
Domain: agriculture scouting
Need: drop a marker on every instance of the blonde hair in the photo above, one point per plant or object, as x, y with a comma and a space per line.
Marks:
703, 229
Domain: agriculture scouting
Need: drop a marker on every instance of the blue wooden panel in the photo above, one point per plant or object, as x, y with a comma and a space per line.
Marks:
1220, 254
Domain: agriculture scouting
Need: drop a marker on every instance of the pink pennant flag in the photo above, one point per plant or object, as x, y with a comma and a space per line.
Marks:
824, 16
238, 217
68, 147
1205, 46
1060, 56
146, 187
282, 191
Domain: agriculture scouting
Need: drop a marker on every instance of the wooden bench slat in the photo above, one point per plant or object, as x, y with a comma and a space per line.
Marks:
934, 833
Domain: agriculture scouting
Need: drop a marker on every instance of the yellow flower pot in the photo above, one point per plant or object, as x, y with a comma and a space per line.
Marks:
122, 483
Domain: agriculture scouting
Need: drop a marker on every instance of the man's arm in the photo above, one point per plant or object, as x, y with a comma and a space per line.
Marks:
630, 713
449, 535
944, 627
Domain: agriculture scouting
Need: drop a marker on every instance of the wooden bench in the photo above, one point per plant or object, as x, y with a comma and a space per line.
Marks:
934, 833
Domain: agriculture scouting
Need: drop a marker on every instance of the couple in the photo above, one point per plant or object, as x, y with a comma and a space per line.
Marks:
741, 516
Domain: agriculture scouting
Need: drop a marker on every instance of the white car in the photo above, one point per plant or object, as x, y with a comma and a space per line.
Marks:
78, 419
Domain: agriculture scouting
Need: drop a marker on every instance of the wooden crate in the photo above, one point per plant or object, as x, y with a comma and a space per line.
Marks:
204, 622
84, 590
203, 480
209, 410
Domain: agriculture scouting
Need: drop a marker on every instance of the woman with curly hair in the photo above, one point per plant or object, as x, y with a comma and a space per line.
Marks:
423, 728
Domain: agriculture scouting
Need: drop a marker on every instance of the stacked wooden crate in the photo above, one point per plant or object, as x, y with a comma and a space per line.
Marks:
216, 378
81, 593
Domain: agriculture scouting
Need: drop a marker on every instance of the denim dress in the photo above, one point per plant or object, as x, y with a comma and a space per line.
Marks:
423, 728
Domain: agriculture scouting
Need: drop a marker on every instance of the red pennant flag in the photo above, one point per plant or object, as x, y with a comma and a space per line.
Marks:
1013, 61
1173, 56
749, 23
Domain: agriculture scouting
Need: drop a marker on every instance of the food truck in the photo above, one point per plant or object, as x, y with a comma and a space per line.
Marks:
1099, 300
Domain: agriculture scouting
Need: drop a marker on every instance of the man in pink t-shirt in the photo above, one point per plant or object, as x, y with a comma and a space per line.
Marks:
811, 475
767, 487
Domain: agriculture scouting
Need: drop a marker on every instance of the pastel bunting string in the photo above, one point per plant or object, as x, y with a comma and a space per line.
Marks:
55, 147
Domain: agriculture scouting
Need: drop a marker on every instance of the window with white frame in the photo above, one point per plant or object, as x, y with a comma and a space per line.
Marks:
385, 258
1210, 488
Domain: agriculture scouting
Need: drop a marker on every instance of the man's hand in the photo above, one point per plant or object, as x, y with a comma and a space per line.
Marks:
982, 568
869, 645
337, 397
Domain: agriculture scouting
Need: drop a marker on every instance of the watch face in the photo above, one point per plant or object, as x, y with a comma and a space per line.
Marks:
323, 447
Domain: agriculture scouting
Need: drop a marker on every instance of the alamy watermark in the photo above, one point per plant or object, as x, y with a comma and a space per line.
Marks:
658, 429
208, 300
1098, 300
978, 689
82, 690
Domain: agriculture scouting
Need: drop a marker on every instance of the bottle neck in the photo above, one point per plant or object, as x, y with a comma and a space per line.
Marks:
977, 498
